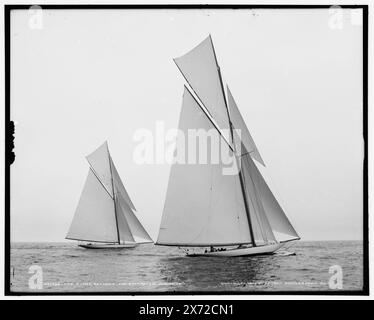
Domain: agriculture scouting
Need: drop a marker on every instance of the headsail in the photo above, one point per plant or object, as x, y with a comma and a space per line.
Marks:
139, 234
200, 68
94, 218
280, 225
124, 231
121, 190
203, 206
260, 225
245, 137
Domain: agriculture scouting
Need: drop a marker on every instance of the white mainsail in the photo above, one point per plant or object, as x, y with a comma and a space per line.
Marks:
94, 218
104, 212
203, 206
200, 69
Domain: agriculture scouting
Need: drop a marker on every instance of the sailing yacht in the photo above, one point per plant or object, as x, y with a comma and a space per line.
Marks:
104, 218
211, 212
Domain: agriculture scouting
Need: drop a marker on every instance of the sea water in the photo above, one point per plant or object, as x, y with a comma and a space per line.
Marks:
299, 266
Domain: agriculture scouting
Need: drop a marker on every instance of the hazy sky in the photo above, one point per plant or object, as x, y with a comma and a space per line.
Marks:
90, 76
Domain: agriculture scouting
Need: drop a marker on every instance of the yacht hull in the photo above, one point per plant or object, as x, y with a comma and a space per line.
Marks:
107, 246
241, 252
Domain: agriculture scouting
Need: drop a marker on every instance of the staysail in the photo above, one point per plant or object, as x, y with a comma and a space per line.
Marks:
132, 228
245, 137
120, 188
138, 233
124, 231
280, 225
200, 69
260, 225
203, 206
104, 212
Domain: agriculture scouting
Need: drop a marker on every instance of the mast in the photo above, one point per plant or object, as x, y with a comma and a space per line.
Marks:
241, 177
114, 197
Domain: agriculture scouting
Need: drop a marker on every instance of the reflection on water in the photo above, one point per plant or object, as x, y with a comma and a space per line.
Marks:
214, 273
149, 268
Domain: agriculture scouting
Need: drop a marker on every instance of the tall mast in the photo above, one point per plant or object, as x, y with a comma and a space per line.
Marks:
114, 197
241, 177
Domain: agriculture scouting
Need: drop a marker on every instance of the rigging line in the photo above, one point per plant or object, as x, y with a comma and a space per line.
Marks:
214, 51
244, 154
114, 197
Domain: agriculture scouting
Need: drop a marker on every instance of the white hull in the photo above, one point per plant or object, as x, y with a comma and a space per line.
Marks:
107, 245
239, 252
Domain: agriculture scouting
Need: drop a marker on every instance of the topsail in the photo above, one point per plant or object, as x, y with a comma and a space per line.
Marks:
202, 73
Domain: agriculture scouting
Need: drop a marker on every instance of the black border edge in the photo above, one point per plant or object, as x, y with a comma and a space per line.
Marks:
365, 35
8, 140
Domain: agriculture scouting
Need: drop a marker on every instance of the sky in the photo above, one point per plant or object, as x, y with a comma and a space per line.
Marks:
80, 77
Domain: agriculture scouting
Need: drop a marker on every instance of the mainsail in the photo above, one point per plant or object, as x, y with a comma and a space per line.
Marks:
105, 210
94, 218
203, 206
